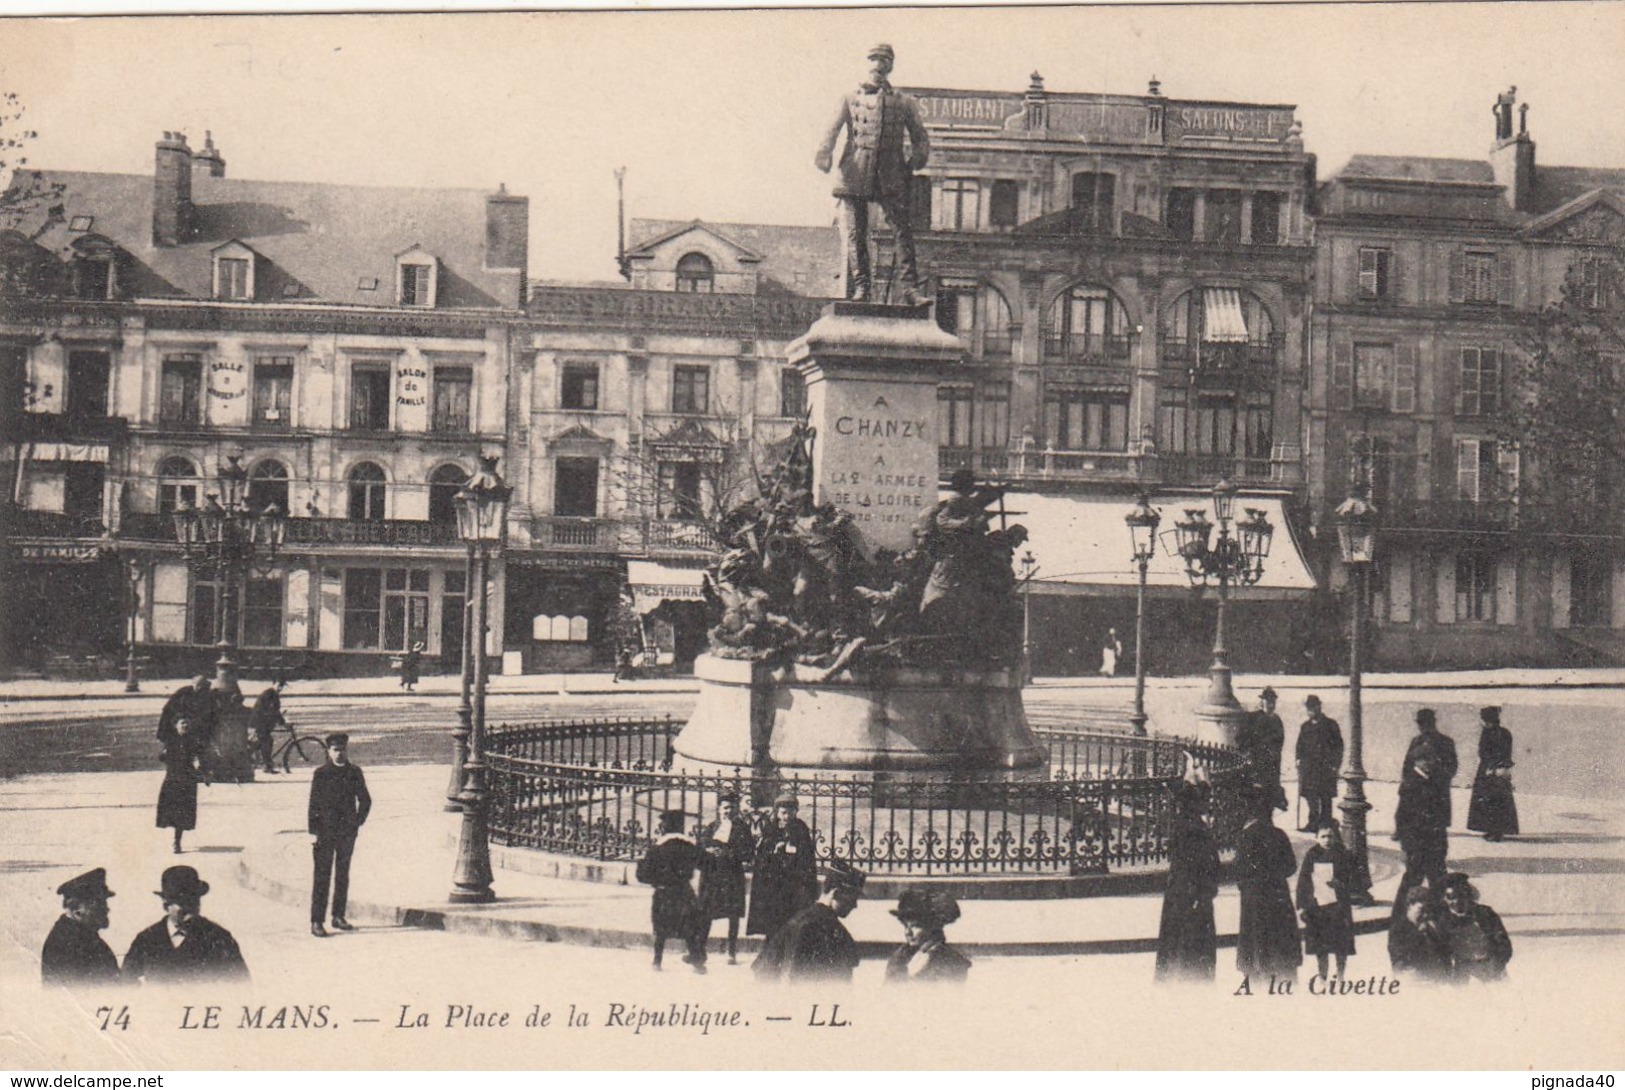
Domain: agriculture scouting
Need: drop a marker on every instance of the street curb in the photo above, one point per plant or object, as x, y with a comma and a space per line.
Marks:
475, 920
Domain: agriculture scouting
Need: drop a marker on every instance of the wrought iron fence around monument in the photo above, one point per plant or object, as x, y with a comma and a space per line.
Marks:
594, 788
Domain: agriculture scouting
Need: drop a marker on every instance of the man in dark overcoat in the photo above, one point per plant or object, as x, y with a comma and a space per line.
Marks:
786, 872
184, 947
74, 954
674, 911
1440, 751
814, 945
728, 846
1263, 737
1320, 755
873, 167
339, 804
196, 704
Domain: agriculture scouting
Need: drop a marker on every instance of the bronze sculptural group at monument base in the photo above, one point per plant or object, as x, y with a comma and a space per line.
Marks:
794, 584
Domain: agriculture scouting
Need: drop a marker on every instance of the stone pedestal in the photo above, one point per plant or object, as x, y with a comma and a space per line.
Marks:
871, 372
896, 720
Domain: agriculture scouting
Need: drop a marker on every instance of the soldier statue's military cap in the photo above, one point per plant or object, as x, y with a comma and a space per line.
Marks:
91, 884
881, 50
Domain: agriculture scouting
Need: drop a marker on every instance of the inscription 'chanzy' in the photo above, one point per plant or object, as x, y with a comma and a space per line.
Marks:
865, 428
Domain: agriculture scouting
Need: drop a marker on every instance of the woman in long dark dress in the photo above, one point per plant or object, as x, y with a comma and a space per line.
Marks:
728, 845
1493, 811
785, 878
1187, 946
177, 798
1267, 944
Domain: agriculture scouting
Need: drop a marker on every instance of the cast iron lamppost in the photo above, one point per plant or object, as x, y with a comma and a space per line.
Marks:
1235, 556
228, 532
482, 520
1142, 529
1029, 569
135, 570
465, 709
1357, 540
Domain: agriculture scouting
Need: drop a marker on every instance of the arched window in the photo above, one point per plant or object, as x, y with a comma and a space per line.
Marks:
444, 484
367, 493
1218, 330
1089, 325
177, 485
267, 485
696, 273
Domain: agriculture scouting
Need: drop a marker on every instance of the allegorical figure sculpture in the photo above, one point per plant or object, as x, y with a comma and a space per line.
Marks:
874, 168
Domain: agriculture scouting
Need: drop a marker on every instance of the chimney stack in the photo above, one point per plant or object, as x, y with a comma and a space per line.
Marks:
507, 233
1513, 156
172, 191
209, 159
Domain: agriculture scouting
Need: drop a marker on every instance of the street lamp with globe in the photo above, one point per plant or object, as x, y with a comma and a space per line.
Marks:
1236, 555
1356, 521
1142, 528
482, 521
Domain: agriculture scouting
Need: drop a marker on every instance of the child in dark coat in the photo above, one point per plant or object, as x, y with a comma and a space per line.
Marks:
674, 911
1323, 900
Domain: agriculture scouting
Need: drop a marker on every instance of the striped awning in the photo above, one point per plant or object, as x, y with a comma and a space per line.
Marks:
68, 452
1222, 318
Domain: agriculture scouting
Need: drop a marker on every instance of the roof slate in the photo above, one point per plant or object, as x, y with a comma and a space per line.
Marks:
321, 241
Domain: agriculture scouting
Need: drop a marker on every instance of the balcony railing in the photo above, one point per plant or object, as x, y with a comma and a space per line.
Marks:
151, 526
21, 522
1498, 516
671, 536
28, 427
998, 344
1217, 358
1210, 467
577, 533
1087, 348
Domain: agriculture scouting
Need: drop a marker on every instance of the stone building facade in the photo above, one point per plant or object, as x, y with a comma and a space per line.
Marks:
1429, 273
348, 345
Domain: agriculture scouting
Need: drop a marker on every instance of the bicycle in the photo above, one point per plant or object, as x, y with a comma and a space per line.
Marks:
307, 747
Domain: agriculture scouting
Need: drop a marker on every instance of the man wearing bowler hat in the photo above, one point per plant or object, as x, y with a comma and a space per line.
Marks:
873, 168
339, 804
74, 953
1263, 736
815, 945
184, 946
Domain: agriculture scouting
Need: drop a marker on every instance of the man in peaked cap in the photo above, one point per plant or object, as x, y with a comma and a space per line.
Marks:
815, 945
74, 953
184, 946
873, 167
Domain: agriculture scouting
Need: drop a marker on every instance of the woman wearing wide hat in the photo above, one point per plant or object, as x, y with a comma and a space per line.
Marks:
785, 879
925, 956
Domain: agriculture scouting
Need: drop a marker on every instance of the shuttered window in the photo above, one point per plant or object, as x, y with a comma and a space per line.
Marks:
1376, 273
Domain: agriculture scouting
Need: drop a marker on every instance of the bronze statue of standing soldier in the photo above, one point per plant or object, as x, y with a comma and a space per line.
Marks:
875, 169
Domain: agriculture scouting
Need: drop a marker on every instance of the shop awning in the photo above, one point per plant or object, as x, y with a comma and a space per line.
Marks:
68, 452
1222, 320
1082, 546
653, 583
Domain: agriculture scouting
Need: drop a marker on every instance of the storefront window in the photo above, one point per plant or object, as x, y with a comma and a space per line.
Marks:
262, 611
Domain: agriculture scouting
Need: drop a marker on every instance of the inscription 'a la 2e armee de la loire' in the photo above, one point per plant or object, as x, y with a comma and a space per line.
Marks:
879, 463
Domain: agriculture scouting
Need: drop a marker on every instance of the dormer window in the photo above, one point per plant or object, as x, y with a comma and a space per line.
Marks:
695, 273
234, 272
416, 276
95, 268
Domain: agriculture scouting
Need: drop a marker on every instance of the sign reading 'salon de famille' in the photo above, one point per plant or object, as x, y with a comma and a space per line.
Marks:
871, 377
